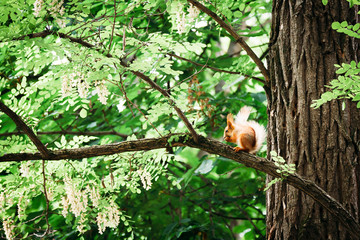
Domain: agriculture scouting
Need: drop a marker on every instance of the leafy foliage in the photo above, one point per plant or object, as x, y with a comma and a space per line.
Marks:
347, 85
284, 168
68, 70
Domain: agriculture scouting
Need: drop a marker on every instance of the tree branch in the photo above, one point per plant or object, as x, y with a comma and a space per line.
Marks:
26, 129
236, 36
210, 146
214, 68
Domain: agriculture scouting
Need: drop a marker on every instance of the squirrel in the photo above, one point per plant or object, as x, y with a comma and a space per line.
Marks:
248, 135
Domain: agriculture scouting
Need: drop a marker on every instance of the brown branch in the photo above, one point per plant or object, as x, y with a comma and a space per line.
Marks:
113, 27
210, 146
26, 129
64, 132
214, 68
236, 36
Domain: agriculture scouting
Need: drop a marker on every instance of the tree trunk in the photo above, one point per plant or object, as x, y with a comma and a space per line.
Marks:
324, 142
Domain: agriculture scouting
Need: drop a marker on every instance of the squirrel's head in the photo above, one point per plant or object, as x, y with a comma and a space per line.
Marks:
228, 132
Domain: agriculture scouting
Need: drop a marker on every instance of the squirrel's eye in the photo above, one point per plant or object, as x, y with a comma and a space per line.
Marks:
226, 130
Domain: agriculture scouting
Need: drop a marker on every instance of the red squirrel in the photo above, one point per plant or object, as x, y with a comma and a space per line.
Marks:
248, 135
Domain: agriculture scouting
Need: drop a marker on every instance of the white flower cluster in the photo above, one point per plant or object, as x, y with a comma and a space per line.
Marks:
21, 206
25, 169
77, 80
76, 202
102, 91
81, 223
37, 7
7, 222
94, 195
180, 19
74, 80
193, 12
8, 226
2, 200
56, 9
109, 219
50, 194
180, 16
145, 178
76, 199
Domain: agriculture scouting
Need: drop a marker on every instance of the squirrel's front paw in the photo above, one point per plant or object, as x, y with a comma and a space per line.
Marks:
237, 149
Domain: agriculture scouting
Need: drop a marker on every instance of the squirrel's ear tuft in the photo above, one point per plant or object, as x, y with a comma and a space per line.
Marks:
230, 120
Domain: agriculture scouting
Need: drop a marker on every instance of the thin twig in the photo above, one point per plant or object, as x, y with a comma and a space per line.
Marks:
147, 119
113, 27
214, 68
235, 35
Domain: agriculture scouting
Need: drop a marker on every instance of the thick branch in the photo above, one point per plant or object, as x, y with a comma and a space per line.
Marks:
210, 146
26, 129
236, 36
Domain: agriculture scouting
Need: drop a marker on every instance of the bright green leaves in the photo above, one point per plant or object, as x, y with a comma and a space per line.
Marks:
344, 27
347, 85
75, 142
284, 169
353, 2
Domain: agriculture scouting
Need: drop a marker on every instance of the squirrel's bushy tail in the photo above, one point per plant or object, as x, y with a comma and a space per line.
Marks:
243, 115
260, 135
260, 132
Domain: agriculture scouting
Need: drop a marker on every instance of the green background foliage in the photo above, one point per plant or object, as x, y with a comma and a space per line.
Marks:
99, 44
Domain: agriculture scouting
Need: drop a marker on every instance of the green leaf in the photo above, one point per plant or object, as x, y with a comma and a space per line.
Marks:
83, 113
238, 14
273, 153
340, 71
335, 25
205, 167
344, 24
356, 27
357, 97
184, 86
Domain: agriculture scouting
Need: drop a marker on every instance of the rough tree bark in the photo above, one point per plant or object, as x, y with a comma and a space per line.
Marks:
323, 143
